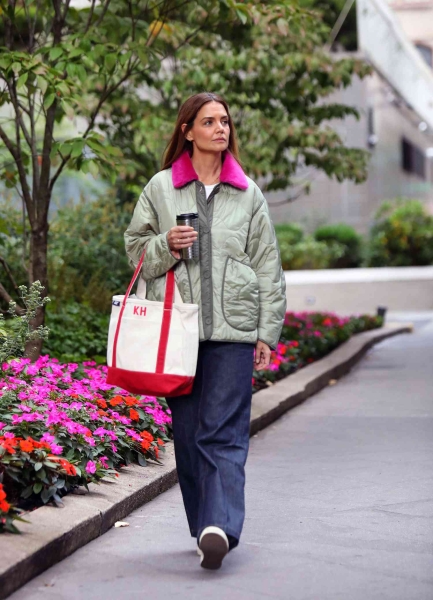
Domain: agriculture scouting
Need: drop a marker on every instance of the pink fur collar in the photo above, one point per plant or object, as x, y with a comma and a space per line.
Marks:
183, 172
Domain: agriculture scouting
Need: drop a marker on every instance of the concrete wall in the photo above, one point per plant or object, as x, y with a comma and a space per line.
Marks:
333, 202
360, 290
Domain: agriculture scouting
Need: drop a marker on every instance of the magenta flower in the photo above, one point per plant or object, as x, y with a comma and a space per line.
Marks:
56, 449
103, 460
90, 467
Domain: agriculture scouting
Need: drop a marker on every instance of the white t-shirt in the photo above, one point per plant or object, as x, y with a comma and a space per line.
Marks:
209, 189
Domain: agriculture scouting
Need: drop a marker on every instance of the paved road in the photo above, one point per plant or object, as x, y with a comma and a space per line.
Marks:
339, 504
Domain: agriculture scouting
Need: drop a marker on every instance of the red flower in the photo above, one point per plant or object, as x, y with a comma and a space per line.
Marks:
133, 414
39, 444
145, 444
116, 400
26, 446
147, 436
160, 442
4, 506
156, 451
131, 401
101, 403
65, 465
9, 445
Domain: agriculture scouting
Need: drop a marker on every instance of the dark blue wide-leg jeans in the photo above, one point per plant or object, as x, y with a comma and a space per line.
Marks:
211, 438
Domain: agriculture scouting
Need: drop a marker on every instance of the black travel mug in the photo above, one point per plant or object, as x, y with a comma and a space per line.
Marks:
189, 220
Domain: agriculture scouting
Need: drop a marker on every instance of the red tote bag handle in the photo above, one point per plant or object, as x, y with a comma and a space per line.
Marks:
166, 319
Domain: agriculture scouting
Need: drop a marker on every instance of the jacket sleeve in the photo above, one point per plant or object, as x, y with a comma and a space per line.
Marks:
144, 232
264, 254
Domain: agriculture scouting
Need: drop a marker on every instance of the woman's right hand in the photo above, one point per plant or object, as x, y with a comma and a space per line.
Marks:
180, 237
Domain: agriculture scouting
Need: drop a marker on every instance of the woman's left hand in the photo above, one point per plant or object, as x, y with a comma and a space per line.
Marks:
263, 356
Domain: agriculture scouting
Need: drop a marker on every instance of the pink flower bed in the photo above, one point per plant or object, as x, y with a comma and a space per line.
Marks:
62, 425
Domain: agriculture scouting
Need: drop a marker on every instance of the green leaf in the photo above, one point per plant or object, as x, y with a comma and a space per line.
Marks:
54, 149
77, 148
37, 487
5, 62
69, 110
82, 73
71, 70
50, 465
42, 83
110, 61
47, 493
76, 52
141, 460
93, 168
58, 500
84, 167
55, 53
38, 466
27, 492
242, 15
22, 80
48, 100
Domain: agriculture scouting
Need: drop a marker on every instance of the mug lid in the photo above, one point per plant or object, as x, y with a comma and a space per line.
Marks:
187, 216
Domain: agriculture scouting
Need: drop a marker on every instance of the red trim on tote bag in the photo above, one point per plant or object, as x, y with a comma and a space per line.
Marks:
166, 320
152, 384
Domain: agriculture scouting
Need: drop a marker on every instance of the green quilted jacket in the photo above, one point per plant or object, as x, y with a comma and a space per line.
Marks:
238, 283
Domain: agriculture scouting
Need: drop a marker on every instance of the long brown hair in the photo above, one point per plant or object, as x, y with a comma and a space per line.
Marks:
187, 114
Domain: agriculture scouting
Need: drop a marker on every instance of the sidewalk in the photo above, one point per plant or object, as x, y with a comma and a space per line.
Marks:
339, 504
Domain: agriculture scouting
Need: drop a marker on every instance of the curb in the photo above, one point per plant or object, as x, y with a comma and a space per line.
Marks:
52, 534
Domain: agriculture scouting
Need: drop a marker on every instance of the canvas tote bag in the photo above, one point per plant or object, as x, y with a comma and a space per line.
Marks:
152, 346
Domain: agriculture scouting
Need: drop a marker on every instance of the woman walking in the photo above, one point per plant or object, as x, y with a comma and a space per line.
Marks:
239, 286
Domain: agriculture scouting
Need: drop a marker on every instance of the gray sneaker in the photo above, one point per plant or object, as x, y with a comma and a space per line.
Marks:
213, 546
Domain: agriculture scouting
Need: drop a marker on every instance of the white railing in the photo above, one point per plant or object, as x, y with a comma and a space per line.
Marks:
386, 47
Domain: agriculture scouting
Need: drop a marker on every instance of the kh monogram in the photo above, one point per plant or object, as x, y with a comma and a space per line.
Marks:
142, 310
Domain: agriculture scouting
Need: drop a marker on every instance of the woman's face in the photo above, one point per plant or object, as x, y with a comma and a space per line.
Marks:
211, 130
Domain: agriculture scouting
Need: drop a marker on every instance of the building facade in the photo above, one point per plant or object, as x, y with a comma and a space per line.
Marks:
396, 124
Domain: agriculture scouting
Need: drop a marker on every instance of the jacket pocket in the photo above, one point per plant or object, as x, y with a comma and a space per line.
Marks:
240, 295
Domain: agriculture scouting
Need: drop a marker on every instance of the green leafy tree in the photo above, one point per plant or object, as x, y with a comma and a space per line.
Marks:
57, 63
276, 75
117, 71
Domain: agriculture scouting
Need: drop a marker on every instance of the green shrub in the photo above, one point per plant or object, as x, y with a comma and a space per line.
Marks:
17, 331
401, 236
309, 254
13, 241
351, 241
77, 332
87, 260
289, 233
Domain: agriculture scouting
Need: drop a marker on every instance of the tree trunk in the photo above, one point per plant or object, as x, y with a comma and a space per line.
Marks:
38, 272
